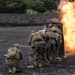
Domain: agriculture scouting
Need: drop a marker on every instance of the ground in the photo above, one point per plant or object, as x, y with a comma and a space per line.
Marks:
20, 35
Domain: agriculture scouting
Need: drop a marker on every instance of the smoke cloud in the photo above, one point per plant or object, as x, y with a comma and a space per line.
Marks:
61, 1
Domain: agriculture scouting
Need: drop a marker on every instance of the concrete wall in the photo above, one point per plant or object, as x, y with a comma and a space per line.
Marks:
25, 19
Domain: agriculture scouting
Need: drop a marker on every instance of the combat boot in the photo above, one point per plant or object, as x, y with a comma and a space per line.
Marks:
9, 70
59, 59
40, 65
30, 66
14, 70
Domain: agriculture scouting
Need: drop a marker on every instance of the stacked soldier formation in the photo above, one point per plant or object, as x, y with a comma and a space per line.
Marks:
45, 46
44, 49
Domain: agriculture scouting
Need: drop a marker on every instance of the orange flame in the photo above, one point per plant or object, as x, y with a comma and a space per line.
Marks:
68, 20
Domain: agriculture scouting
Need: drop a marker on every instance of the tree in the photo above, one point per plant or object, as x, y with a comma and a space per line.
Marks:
12, 6
50, 4
40, 7
2, 6
36, 5
15, 6
20, 6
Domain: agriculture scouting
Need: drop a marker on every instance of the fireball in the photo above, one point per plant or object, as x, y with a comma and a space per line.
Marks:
68, 20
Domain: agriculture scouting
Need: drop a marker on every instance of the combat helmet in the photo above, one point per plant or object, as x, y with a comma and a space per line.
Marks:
16, 45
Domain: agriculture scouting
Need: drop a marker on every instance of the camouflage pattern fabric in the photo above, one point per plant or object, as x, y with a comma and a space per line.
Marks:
45, 46
13, 60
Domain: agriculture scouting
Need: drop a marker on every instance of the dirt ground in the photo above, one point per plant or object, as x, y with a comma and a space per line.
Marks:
20, 35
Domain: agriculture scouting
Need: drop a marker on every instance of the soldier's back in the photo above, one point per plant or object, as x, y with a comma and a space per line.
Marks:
11, 52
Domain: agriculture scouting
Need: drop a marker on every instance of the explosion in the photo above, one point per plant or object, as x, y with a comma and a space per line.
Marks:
68, 20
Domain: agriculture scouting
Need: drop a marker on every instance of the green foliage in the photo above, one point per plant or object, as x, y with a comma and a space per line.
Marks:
39, 7
22, 6
54, 11
47, 12
31, 11
12, 6
29, 3
50, 4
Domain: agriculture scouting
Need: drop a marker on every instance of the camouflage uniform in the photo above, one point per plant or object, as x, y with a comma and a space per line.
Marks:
36, 41
46, 53
13, 61
56, 41
58, 34
50, 45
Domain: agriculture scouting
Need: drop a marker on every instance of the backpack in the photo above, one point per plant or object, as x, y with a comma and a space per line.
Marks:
36, 37
13, 52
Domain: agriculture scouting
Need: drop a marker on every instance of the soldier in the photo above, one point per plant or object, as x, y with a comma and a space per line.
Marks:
36, 42
13, 58
53, 28
57, 37
50, 45
58, 34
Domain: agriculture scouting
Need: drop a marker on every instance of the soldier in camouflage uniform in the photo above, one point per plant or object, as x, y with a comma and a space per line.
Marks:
58, 34
56, 40
49, 42
13, 58
36, 42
